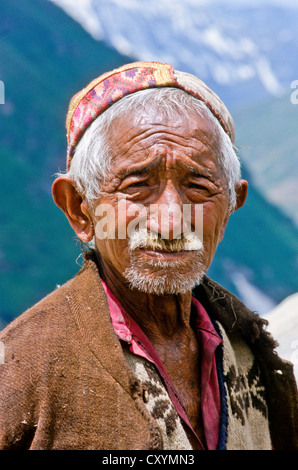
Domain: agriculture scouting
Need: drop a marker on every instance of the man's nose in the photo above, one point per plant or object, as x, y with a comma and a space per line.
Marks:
166, 214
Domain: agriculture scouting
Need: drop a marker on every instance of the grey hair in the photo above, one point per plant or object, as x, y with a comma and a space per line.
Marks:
92, 158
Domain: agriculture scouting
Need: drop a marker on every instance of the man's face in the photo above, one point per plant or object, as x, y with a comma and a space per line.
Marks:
162, 162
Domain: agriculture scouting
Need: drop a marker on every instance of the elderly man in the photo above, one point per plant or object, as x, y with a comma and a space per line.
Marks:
141, 350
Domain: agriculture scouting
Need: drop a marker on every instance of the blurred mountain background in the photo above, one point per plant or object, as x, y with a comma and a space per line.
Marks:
246, 51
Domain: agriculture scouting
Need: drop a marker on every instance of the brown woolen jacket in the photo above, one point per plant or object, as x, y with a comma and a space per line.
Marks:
65, 383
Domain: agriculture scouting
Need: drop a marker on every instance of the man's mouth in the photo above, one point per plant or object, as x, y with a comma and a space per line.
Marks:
158, 252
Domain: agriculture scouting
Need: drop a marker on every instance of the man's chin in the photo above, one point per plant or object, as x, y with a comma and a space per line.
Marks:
162, 277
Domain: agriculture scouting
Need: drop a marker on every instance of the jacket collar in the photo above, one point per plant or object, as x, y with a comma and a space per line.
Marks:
89, 306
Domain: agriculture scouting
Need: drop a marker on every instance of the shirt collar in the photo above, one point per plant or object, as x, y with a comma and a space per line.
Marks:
127, 329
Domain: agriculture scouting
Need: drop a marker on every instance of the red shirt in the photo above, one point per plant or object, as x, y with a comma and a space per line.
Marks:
127, 330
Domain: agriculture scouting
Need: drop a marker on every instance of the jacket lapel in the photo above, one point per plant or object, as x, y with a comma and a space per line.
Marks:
89, 306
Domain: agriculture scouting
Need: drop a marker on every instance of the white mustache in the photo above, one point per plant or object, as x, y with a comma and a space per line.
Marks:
145, 239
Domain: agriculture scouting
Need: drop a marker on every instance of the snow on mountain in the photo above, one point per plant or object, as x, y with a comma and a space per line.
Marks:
283, 325
253, 297
228, 43
84, 14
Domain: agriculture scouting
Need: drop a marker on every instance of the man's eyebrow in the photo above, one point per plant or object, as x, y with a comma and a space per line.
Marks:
196, 171
138, 169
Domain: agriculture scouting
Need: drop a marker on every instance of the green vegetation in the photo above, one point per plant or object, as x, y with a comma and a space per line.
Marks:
269, 128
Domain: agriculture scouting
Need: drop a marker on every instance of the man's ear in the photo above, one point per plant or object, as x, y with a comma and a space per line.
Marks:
241, 193
241, 190
74, 207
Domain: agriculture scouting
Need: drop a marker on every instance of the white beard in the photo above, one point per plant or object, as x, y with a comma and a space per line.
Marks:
161, 277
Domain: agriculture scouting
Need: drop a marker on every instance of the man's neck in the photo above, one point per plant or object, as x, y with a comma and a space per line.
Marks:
160, 317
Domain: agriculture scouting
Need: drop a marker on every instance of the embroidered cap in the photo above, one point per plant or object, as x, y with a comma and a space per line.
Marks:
110, 87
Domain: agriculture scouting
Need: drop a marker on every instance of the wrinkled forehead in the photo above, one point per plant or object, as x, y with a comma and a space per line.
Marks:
152, 124
148, 141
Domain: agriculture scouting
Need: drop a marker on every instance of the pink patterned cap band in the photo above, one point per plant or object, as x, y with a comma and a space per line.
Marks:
110, 87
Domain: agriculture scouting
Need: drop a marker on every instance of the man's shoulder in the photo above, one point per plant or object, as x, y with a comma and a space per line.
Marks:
230, 311
54, 316
52, 310
238, 321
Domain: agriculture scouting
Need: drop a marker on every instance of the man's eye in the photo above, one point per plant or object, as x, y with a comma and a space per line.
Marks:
137, 184
133, 186
197, 186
